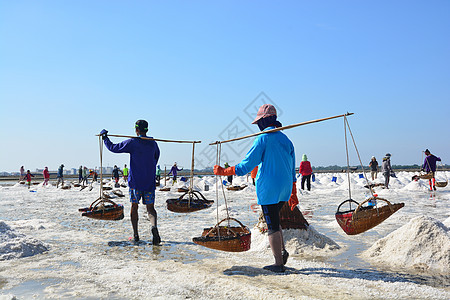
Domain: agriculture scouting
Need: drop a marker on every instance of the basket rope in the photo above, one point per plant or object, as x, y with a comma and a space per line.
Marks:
347, 127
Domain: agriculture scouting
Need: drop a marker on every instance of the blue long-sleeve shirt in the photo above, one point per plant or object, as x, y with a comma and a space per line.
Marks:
275, 156
429, 164
144, 155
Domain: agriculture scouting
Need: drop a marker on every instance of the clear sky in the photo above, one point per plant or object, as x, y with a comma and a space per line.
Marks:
197, 70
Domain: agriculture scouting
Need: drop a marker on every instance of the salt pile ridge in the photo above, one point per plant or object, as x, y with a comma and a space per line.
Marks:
308, 241
16, 245
423, 243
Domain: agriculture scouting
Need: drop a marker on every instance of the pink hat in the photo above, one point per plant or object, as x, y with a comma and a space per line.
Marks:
266, 110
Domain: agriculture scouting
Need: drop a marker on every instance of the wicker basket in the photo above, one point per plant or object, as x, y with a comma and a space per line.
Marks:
165, 189
182, 190
225, 238
289, 219
441, 183
103, 209
364, 218
195, 201
236, 187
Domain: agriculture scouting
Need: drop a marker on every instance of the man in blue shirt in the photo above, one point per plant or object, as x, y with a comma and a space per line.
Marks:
274, 155
144, 155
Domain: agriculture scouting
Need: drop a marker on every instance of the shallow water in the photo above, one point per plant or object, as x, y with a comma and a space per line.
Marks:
93, 259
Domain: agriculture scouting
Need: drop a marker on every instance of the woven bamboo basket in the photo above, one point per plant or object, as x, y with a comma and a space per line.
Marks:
107, 188
292, 219
289, 219
236, 187
103, 209
195, 201
362, 218
182, 190
118, 193
165, 189
225, 238
373, 185
66, 187
441, 183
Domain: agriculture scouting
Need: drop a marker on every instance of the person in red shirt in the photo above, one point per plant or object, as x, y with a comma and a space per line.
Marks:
46, 176
28, 178
306, 171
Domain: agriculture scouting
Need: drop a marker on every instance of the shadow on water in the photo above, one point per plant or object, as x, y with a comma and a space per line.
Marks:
167, 250
440, 281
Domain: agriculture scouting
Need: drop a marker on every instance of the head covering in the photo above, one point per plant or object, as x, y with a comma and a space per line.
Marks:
388, 155
427, 151
266, 110
373, 157
142, 125
304, 157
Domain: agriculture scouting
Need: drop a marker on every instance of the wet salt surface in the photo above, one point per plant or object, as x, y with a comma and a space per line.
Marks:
92, 259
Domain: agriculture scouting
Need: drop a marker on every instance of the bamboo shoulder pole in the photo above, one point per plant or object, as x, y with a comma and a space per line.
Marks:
281, 128
152, 139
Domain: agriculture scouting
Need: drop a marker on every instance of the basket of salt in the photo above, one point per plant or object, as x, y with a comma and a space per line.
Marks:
355, 221
225, 238
103, 209
190, 204
441, 183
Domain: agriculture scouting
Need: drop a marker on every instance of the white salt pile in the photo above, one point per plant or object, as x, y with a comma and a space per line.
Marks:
298, 241
423, 243
16, 245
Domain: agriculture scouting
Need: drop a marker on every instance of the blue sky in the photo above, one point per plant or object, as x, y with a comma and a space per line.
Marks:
196, 70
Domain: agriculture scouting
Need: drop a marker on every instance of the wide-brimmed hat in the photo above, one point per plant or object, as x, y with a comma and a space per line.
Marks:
266, 110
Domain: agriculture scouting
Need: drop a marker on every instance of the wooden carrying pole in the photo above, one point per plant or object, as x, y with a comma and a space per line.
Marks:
152, 139
282, 128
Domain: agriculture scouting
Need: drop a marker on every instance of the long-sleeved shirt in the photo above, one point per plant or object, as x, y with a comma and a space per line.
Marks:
46, 174
386, 166
174, 171
144, 155
274, 155
429, 164
305, 168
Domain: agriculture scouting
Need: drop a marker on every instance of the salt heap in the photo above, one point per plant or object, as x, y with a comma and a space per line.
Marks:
16, 245
423, 243
298, 241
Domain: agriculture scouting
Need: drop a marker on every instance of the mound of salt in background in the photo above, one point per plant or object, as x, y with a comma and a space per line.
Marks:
16, 245
423, 243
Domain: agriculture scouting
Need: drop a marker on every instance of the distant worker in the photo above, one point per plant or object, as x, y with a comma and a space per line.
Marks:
46, 176
386, 169
305, 170
80, 174
115, 174
373, 164
22, 173
429, 166
85, 175
125, 173
94, 175
28, 178
60, 176
144, 155
158, 175
230, 177
174, 171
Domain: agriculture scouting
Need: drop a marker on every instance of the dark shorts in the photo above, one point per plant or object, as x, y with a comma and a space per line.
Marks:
272, 216
147, 197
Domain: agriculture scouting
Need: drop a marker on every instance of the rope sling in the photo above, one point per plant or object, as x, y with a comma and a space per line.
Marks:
225, 238
361, 219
